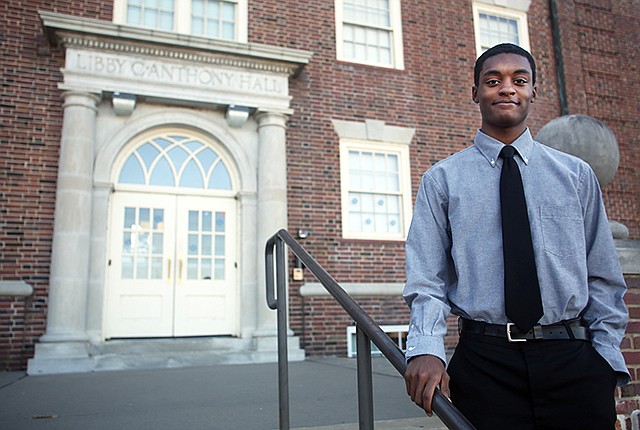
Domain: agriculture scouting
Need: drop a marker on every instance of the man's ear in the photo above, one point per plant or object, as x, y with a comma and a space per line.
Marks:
534, 93
474, 94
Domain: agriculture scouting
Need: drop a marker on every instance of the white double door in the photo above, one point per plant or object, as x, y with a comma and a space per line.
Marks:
172, 268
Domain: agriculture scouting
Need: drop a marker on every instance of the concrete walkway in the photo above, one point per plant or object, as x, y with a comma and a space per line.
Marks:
322, 395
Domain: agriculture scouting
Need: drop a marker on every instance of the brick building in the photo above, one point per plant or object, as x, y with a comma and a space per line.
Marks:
147, 154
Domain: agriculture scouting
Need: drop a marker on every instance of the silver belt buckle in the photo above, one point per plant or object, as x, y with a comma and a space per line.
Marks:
509, 338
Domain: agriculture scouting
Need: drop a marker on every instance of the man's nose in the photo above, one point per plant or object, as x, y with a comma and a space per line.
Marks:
507, 88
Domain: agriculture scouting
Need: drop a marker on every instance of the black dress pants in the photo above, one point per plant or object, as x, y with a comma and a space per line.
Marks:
541, 385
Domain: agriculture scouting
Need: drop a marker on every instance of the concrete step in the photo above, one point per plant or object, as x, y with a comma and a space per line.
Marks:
425, 423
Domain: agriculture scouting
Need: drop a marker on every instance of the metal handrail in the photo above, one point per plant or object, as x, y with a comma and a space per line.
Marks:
366, 329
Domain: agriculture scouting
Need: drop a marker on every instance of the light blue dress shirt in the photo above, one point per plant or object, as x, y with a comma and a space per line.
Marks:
454, 246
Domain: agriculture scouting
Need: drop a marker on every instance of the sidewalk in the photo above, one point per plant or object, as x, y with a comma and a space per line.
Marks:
322, 391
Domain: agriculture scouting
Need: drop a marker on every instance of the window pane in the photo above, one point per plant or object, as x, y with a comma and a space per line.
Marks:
206, 245
162, 174
374, 184
150, 18
193, 244
219, 246
192, 176
144, 217
220, 222
142, 267
206, 221
166, 21
206, 268
220, 179
129, 217
158, 243
197, 7
193, 220
219, 269
127, 267
192, 268
228, 11
178, 156
131, 172
228, 31
134, 15
156, 268
158, 219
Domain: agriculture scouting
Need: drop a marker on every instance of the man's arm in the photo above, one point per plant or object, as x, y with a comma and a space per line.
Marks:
606, 312
429, 274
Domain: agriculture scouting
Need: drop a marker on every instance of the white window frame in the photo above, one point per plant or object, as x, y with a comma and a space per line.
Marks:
182, 18
398, 333
520, 16
404, 178
397, 51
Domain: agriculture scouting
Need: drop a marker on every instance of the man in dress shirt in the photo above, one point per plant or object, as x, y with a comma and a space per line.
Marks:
563, 373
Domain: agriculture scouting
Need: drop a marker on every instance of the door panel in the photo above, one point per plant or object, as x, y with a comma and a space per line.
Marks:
205, 299
140, 299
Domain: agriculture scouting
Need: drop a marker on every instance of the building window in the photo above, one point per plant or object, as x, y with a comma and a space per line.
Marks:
494, 24
375, 179
375, 190
369, 32
151, 13
214, 18
219, 19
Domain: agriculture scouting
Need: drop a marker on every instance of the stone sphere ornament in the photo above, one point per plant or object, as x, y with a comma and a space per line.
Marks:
592, 141
586, 138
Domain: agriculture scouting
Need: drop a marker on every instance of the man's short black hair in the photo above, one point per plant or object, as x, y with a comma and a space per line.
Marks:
503, 48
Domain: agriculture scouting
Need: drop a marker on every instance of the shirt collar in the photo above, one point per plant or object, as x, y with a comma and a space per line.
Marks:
490, 148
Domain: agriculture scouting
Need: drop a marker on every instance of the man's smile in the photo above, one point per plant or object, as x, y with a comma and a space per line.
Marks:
507, 102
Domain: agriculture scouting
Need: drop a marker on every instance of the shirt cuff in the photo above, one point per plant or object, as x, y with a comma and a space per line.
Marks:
614, 357
425, 344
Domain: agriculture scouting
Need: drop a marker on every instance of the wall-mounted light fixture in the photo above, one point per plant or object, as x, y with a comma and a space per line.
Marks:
123, 103
298, 265
237, 116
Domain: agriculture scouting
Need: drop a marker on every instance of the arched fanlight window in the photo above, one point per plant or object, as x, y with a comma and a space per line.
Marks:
175, 161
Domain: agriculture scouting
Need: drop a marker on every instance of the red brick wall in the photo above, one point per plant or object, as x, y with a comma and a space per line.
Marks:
600, 39
628, 397
31, 117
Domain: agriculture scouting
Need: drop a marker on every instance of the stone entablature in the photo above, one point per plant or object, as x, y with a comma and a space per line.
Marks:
105, 57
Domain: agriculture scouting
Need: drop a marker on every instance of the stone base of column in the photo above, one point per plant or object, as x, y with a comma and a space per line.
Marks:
83, 356
60, 357
266, 346
629, 254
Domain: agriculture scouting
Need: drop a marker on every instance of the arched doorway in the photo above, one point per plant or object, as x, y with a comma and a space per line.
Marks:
172, 240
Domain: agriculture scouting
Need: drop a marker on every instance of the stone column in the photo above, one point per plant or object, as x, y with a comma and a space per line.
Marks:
271, 205
65, 334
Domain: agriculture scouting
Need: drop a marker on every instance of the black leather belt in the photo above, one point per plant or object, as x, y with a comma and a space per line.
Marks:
574, 329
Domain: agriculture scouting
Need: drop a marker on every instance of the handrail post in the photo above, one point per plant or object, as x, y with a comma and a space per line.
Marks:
365, 380
283, 358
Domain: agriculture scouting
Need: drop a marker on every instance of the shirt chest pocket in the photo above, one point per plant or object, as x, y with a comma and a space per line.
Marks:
562, 230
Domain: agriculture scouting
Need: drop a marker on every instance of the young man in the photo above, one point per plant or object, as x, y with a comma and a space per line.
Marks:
562, 372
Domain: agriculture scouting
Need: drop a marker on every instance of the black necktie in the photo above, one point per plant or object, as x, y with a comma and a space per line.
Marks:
523, 304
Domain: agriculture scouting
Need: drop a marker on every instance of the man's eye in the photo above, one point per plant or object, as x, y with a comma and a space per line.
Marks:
492, 82
520, 81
